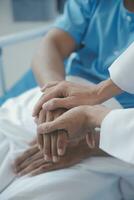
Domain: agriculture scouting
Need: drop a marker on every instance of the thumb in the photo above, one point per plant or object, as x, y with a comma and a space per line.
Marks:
49, 85
56, 103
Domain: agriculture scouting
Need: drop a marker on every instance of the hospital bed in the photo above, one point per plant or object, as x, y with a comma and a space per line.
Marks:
6, 41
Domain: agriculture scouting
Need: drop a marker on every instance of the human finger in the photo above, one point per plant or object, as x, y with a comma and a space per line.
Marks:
47, 167
58, 124
57, 139
50, 95
54, 153
36, 120
48, 85
56, 103
35, 165
90, 139
47, 139
62, 141
38, 107
25, 155
29, 161
33, 142
42, 118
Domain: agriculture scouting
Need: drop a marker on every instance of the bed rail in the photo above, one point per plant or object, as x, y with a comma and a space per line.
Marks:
12, 39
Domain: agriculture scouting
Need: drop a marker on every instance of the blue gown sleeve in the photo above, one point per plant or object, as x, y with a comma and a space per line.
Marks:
76, 17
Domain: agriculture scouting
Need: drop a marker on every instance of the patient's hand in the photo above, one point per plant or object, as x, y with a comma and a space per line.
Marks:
32, 161
52, 146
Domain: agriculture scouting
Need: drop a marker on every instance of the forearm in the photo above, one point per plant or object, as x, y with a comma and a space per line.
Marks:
106, 90
48, 63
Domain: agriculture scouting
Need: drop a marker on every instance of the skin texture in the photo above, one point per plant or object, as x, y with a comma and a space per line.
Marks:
32, 161
77, 122
67, 95
53, 145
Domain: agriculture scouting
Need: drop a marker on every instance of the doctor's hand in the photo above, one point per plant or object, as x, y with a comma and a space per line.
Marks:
32, 160
53, 146
66, 95
76, 122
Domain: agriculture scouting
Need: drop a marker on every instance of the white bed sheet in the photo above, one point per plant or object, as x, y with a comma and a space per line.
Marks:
94, 178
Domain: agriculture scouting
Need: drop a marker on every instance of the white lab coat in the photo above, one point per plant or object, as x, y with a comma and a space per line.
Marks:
117, 129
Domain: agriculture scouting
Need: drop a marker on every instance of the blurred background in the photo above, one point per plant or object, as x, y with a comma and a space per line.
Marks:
18, 16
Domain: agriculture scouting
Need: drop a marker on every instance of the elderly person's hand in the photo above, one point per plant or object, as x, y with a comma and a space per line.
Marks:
67, 95
32, 161
52, 146
77, 122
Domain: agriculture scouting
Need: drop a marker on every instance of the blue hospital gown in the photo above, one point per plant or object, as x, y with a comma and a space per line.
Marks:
102, 30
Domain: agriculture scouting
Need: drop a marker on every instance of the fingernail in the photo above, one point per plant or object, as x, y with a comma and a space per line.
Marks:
55, 159
61, 152
91, 145
47, 158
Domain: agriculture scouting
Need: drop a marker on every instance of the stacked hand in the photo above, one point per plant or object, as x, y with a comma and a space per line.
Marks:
53, 145
76, 123
32, 161
66, 95
63, 115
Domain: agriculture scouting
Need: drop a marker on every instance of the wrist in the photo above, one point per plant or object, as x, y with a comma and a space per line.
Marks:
95, 115
52, 78
106, 90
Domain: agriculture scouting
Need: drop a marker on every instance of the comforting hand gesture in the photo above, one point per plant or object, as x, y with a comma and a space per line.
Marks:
32, 160
53, 145
66, 95
77, 122
56, 126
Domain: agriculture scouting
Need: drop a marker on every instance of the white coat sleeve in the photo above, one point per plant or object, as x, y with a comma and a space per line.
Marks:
122, 70
117, 129
117, 134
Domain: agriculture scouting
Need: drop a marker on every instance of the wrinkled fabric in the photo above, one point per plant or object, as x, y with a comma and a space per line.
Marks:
103, 178
102, 30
